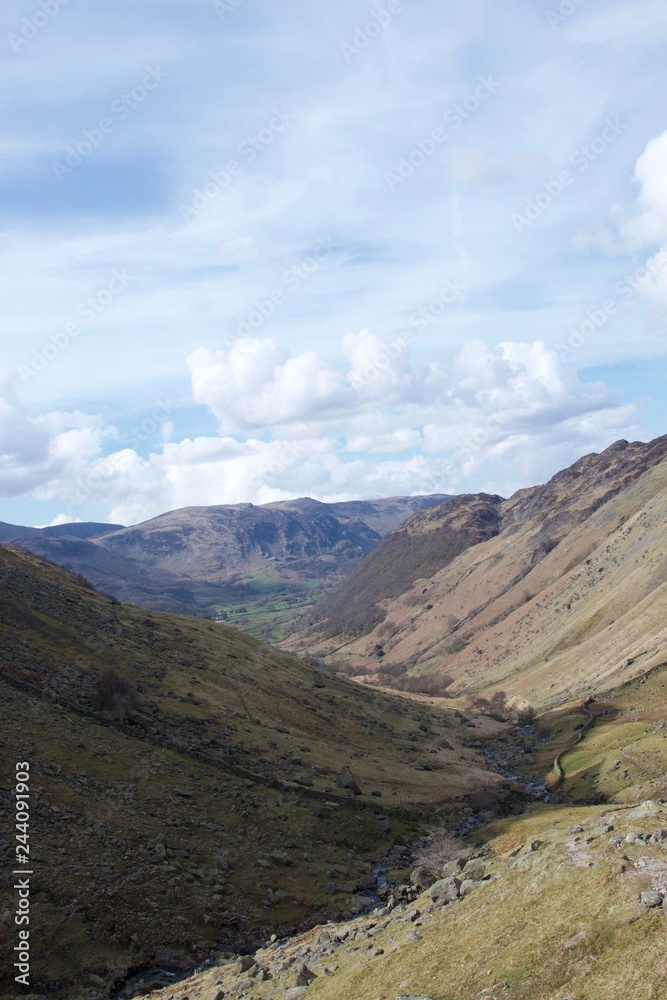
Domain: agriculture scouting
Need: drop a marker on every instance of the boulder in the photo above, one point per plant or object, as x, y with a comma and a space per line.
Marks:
305, 976
303, 779
244, 964
347, 780
421, 878
451, 868
445, 890
651, 899
474, 869
280, 858
469, 885
648, 808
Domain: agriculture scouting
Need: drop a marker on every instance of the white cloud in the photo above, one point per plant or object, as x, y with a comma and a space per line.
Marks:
513, 412
651, 173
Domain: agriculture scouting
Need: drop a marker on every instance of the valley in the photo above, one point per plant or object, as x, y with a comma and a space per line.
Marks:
217, 817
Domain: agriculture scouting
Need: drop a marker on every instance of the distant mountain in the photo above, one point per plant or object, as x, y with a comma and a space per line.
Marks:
85, 529
550, 594
225, 559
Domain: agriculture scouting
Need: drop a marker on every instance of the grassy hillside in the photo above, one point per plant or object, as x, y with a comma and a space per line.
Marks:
425, 543
568, 598
158, 804
557, 911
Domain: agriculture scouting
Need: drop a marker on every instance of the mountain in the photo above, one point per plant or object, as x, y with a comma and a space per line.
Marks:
188, 783
562, 592
256, 563
200, 800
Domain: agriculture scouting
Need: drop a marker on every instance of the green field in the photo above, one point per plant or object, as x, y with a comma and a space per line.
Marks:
269, 607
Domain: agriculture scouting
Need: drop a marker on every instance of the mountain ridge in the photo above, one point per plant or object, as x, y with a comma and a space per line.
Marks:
562, 565
204, 560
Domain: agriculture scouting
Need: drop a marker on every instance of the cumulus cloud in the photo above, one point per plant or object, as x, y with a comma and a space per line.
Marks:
489, 417
36, 451
649, 229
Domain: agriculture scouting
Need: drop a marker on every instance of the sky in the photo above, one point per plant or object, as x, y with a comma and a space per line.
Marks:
252, 250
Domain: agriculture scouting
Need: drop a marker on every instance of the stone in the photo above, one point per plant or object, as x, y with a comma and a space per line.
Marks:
321, 812
445, 890
469, 885
303, 779
421, 878
347, 780
296, 993
451, 868
474, 869
280, 858
384, 826
244, 964
305, 976
412, 915
647, 808
651, 899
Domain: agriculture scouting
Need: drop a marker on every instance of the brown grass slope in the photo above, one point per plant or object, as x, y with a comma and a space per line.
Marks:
557, 914
569, 596
422, 545
230, 751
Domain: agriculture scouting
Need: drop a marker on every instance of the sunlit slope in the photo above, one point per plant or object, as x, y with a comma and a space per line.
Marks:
568, 597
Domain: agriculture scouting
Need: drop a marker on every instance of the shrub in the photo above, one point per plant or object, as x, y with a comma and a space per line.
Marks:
115, 694
434, 685
439, 848
498, 708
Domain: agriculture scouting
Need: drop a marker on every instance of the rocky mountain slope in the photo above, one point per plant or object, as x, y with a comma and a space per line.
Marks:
204, 560
193, 789
568, 900
567, 595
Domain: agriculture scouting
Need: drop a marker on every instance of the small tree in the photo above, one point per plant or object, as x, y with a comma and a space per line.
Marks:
440, 847
115, 694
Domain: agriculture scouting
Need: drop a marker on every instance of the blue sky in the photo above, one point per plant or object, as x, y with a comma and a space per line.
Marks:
252, 250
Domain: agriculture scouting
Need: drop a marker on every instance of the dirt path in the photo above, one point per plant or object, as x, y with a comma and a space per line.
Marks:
558, 767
